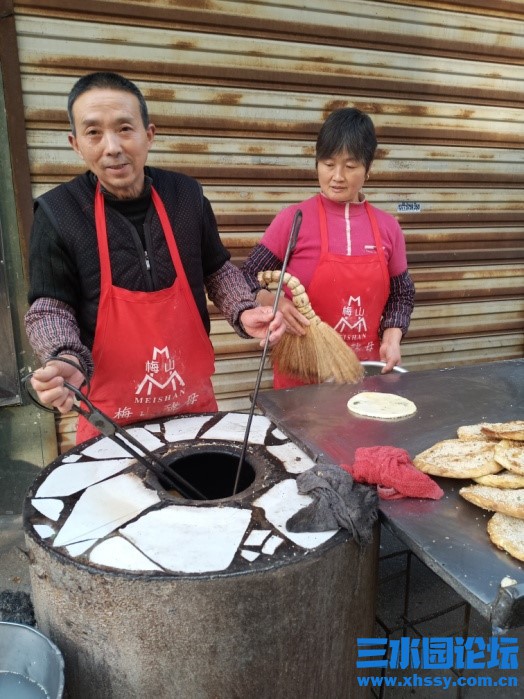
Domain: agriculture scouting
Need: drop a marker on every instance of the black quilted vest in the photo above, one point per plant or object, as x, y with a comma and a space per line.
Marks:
70, 208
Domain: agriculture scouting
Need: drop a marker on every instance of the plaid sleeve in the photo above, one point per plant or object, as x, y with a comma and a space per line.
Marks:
400, 303
52, 329
260, 260
230, 293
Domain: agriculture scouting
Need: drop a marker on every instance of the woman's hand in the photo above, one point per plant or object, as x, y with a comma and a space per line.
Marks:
390, 349
48, 382
296, 323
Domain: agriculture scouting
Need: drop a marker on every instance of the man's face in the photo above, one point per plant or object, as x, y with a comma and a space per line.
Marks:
112, 140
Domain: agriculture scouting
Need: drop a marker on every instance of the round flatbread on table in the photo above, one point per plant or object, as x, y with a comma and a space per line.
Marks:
508, 534
505, 430
382, 406
474, 432
510, 454
509, 502
504, 479
457, 458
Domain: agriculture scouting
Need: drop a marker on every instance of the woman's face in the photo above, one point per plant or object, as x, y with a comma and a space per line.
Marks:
341, 177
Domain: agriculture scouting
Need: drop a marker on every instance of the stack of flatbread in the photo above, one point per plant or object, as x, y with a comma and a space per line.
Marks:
492, 454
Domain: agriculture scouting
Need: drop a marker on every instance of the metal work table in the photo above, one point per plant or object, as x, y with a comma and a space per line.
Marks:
449, 535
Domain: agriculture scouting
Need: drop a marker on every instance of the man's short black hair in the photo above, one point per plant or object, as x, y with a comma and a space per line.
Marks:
105, 80
347, 130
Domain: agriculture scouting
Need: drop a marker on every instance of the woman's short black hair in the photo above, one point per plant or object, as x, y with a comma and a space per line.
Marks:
347, 130
105, 80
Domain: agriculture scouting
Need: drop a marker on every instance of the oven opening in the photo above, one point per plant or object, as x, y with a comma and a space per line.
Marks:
212, 470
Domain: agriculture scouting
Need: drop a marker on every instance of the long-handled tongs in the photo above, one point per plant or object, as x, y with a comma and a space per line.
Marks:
168, 478
297, 221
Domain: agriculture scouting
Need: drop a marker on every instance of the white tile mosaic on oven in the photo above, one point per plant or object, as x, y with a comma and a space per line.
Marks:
71, 478
278, 434
190, 539
49, 507
117, 552
80, 548
249, 555
44, 530
181, 430
257, 537
233, 427
280, 503
104, 507
293, 458
272, 544
106, 448
172, 538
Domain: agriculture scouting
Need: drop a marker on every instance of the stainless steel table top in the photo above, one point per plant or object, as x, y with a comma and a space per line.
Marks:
448, 535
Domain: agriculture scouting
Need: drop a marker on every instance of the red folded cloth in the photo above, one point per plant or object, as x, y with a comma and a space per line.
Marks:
392, 471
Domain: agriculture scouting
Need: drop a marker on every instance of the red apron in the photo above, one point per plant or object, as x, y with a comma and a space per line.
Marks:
349, 293
151, 353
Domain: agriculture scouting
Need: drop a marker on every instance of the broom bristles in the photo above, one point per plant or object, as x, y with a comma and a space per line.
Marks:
297, 356
319, 355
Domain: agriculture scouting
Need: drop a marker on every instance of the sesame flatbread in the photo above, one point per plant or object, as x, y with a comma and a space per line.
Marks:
456, 458
474, 432
509, 502
504, 479
510, 454
382, 406
505, 430
508, 534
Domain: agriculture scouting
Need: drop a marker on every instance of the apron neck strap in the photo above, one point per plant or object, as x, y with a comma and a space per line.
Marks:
101, 235
324, 240
168, 233
323, 225
103, 245
378, 243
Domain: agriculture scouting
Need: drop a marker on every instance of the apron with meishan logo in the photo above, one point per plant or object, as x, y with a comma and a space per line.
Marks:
349, 293
151, 353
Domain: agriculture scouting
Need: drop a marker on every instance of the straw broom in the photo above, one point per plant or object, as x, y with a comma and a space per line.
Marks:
319, 355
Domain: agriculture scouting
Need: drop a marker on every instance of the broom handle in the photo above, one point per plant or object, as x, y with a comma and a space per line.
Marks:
297, 221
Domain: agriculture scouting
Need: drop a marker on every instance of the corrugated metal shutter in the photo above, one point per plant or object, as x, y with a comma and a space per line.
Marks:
238, 91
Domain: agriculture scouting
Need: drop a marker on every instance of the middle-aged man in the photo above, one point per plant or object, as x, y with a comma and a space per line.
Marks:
120, 259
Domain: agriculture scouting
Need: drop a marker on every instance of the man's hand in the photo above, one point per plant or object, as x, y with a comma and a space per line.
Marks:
48, 382
256, 322
296, 323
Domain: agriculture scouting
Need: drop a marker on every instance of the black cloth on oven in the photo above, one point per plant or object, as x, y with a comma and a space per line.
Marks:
338, 501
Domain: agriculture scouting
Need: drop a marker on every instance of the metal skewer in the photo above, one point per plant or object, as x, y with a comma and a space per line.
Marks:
297, 221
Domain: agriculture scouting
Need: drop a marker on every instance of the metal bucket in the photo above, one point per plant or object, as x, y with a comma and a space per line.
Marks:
31, 666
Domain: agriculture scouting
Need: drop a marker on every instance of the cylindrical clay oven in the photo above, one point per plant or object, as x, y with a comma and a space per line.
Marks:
150, 595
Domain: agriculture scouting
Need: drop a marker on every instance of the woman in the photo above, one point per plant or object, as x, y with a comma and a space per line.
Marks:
350, 256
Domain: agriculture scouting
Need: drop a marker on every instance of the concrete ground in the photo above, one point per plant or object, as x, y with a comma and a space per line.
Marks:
429, 595
14, 568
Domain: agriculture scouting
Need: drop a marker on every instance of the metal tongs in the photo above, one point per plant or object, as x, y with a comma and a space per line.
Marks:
167, 477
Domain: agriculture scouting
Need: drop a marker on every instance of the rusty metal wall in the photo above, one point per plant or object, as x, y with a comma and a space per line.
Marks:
238, 91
